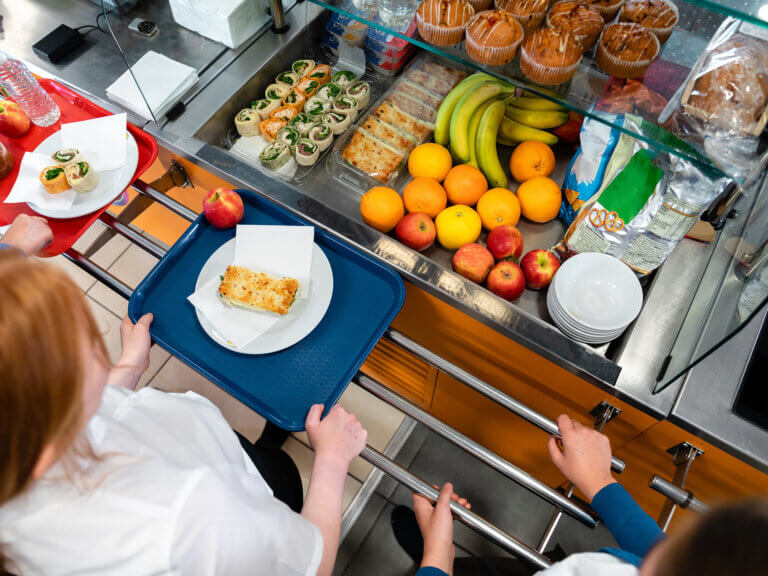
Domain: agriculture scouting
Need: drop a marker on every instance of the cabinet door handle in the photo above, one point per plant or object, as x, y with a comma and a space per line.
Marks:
514, 406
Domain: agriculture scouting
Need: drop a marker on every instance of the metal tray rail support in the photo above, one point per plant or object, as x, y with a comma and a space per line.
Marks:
483, 388
478, 451
379, 460
679, 496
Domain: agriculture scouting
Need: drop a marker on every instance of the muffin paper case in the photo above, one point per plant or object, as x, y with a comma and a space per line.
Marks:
577, 18
443, 22
618, 46
530, 13
640, 11
549, 57
493, 37
609, 11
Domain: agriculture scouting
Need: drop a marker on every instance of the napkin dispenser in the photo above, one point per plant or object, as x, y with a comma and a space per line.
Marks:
230, 22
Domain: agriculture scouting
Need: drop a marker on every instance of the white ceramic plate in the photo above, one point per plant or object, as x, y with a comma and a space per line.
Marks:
556, 310
305, 315
598, 291
110, 186
562, 322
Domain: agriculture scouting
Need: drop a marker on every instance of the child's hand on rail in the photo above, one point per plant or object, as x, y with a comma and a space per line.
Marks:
585, 456
436, 526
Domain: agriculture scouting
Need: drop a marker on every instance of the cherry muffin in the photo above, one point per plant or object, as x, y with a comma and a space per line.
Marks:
530, 13
626, 50
577, 18
659, 16
442, 22
549, 56
493, 37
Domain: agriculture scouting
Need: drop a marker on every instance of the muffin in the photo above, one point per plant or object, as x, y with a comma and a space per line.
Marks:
584, 23
626, 50
549, 56
480, 5
659, 16
606, 8
530, 13
493, 37
442, 22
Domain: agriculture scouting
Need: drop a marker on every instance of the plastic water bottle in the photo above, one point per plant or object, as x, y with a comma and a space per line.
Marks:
396, 13
24, 88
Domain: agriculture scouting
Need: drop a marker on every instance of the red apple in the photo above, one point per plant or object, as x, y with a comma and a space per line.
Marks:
506, 279
223, 207
539, 266
505, 242
473, 262
416, 230
569, 132
13, 121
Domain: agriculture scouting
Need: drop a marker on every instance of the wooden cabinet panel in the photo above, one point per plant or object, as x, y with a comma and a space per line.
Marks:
402, 372
714, 477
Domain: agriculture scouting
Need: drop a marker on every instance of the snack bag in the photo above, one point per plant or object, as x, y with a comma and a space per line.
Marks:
648, 203
586, 171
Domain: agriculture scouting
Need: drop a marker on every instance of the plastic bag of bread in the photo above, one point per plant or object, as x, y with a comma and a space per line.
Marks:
647, 203
722, 108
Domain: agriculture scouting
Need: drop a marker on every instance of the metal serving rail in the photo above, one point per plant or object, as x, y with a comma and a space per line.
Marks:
562, 503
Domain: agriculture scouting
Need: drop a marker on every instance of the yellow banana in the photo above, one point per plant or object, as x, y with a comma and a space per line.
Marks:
465, 108
487, 152
511, 130
444, 112
527, 103
542, 119
474, 124
502, 141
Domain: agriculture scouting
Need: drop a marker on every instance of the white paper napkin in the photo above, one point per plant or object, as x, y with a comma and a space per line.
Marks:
275, 250
101, 141
236, 326
28, 187
163, 82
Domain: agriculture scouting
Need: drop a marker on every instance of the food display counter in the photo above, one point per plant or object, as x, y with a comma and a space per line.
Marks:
461, 355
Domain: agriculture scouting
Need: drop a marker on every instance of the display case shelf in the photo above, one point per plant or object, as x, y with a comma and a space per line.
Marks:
590, 90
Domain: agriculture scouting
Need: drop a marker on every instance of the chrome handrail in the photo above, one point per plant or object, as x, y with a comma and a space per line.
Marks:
680, 496
480, 452
514, 406
467, 517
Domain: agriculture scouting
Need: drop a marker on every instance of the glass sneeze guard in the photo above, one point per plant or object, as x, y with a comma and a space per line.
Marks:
588, 89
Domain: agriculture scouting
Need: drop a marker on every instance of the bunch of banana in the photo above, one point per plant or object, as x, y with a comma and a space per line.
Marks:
528, 118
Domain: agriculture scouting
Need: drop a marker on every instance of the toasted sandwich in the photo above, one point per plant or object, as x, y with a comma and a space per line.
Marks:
245, 288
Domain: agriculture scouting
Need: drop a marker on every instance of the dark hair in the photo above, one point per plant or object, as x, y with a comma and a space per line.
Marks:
728, 540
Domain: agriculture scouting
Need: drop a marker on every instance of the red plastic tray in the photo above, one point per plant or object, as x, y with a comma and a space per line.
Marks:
73, 109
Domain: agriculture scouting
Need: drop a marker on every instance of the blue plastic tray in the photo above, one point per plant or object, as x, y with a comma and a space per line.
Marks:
281, 386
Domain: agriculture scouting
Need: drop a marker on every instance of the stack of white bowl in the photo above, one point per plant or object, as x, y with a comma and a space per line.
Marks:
594, 297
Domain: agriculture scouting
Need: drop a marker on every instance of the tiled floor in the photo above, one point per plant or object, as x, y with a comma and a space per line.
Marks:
130, 264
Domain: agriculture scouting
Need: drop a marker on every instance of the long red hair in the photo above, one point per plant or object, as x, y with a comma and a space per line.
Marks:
45, 326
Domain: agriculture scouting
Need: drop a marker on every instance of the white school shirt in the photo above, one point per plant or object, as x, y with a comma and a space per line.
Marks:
173, 493
590, 564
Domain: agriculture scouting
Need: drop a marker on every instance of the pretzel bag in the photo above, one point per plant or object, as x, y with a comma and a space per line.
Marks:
648, 203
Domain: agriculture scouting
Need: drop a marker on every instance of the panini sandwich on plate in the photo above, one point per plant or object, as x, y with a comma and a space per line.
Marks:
257, 291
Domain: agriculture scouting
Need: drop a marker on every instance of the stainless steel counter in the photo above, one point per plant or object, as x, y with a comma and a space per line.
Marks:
627, 369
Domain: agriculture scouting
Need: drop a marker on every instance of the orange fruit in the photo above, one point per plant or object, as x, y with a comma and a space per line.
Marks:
381, 208
464, 184
540, 199
424, 195
430, 161
531, 159
457, 225
498, 206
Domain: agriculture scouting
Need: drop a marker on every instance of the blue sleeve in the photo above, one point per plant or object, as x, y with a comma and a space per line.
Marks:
633, 529
430, 571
